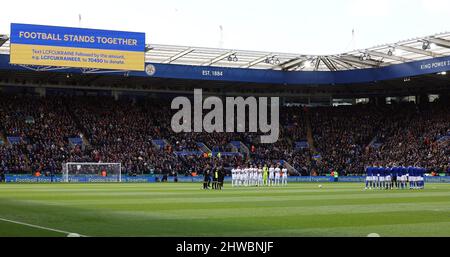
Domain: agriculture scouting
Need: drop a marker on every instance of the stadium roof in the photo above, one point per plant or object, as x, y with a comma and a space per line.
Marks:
416, 49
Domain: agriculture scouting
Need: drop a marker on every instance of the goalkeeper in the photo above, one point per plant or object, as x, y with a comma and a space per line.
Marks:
265, 174
215, 184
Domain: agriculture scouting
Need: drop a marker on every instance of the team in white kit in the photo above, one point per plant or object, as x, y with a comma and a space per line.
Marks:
254, 176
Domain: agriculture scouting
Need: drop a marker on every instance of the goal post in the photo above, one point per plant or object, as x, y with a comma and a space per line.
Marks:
92, 172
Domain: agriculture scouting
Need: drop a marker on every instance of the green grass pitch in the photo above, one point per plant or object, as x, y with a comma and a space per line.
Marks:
341, 209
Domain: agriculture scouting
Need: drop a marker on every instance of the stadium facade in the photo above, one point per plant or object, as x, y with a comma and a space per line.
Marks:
402, 68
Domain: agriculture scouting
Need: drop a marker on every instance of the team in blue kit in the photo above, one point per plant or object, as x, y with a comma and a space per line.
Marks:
395, 178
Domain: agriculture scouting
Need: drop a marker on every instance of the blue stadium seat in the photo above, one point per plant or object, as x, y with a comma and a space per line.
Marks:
14, 140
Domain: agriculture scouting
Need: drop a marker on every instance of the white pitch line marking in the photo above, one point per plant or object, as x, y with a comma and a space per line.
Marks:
36, 226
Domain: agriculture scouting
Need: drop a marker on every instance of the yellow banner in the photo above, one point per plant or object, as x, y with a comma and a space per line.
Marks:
76, 57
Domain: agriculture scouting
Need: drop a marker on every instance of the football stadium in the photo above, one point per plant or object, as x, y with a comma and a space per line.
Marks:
104, 134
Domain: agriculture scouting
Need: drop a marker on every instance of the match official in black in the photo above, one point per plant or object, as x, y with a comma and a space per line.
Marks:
221, 177
206, 178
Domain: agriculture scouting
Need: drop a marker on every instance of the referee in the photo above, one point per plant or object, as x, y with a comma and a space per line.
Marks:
221, 177
215, 185
206, 178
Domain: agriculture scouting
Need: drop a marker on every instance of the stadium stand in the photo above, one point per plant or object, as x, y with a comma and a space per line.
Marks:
52, 130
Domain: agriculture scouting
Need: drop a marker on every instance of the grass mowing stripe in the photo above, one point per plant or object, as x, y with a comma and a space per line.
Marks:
432, 229
204, 213
343, 209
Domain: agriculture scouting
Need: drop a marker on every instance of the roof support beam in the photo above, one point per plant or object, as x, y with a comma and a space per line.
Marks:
345, 65
417, 51
392, 57
356, 65
179, 55
219, 58
354, 59
316, 67
328, 63
3, 39
292, 63
148, 48
333, 63
256, 61
439, 42
299, 67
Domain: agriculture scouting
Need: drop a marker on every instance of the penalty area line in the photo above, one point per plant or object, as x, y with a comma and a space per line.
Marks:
39, 227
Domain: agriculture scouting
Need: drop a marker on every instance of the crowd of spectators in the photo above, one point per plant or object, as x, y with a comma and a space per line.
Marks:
414, 135
346, 138
350, 138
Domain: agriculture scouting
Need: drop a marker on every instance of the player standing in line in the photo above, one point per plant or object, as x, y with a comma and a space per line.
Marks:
284, 177
372, 183
421, 178
271, 174
243, 176
383, 177
400, 177
379, 176
246, 176
250, 175
408, 178
233, 177
411, 172
374, 177
394, 174
238, 176
418, 178
405, 178
387, 178
265, 174
254, 175
260, 176
277, 175
368, 178
414, 178
418, 171
387, 174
